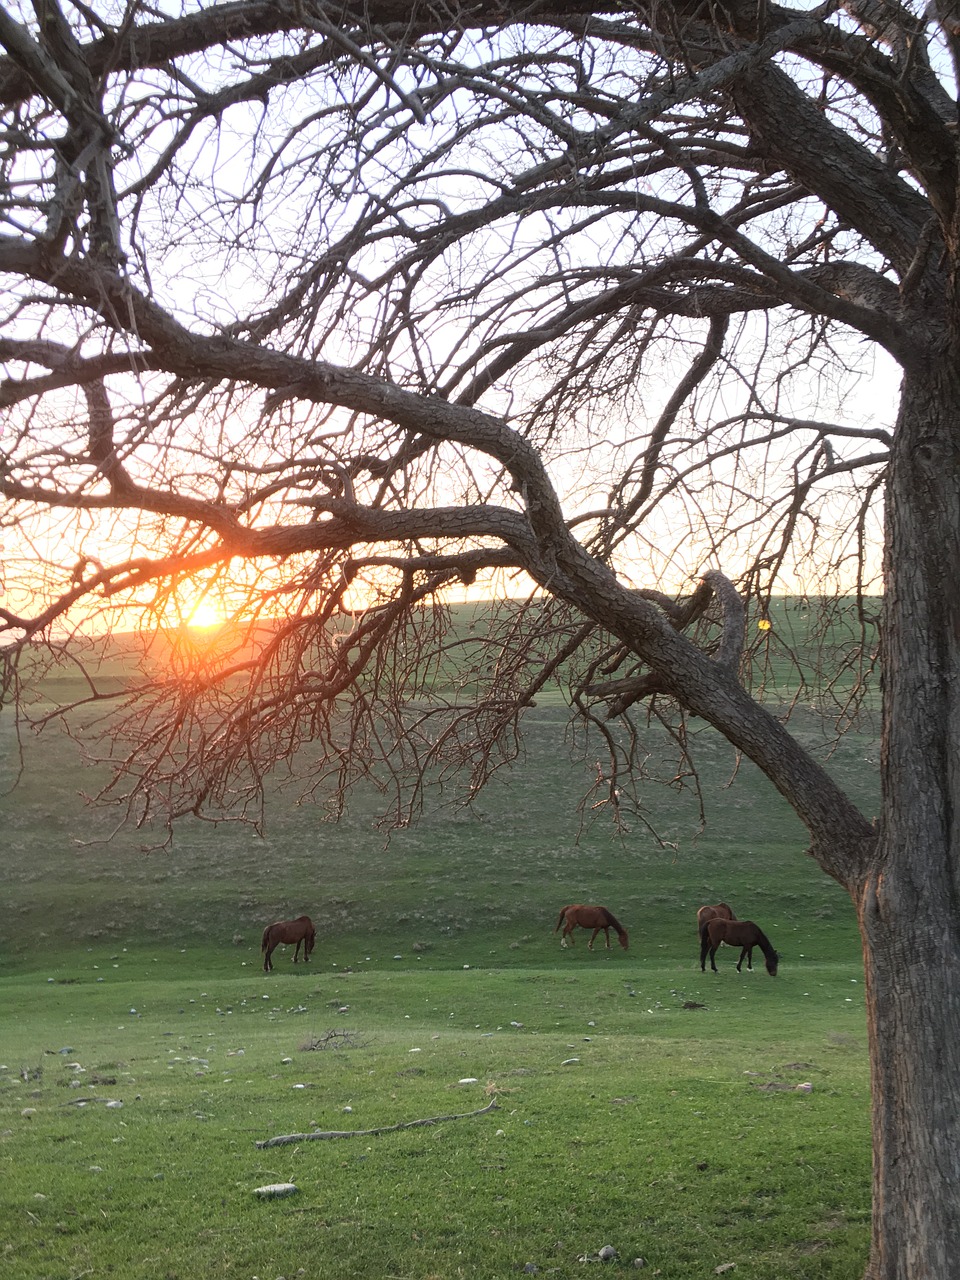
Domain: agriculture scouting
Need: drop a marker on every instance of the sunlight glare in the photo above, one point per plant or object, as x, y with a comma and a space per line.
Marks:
204, 614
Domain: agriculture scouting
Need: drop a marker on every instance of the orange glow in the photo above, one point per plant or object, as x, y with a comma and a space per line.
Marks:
204, 614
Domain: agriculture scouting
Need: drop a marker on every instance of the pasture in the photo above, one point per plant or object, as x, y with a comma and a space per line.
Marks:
639, 1103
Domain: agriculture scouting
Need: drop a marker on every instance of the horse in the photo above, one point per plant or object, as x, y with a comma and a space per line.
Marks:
737, 933
300, 931
595, 918
719, 911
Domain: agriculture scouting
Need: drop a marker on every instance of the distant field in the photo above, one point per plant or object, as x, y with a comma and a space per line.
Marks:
497, 875
675, 1133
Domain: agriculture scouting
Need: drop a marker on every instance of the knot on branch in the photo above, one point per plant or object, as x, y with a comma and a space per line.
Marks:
622, 693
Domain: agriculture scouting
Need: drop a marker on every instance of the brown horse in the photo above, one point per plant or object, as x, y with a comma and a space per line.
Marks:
299, 931
737, 933
719, 911
595, 918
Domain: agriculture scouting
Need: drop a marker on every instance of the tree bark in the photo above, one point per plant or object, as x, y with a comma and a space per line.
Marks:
909, 906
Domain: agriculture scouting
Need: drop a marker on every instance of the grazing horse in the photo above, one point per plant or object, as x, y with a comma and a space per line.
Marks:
737, 933
595, 918
299, 931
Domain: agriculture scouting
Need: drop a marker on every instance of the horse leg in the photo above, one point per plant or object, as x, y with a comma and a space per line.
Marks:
704, 948
750, 958
593, 938
713, 952
606, 934
296, 952
267, 962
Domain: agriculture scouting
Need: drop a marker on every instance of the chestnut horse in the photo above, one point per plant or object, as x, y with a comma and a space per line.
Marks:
737, 933
595, 918
719, 911
300, 931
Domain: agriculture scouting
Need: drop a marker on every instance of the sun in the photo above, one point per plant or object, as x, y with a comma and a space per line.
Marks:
204, 614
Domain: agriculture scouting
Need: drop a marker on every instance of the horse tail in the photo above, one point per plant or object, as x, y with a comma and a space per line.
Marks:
266, 937
563, 912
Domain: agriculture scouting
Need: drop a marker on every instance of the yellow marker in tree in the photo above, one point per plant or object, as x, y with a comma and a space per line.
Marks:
764, 624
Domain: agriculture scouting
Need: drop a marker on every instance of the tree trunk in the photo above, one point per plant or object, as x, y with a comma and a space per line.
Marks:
909, 906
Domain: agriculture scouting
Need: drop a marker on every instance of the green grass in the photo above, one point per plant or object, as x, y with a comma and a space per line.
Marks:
622, 1117
675, 1134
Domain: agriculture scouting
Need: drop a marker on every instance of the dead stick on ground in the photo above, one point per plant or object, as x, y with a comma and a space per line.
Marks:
286, 1138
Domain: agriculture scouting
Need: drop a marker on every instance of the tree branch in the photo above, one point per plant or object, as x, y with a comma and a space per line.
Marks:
285, 1140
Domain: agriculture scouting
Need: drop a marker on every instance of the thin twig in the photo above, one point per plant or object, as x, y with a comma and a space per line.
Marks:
286, 1138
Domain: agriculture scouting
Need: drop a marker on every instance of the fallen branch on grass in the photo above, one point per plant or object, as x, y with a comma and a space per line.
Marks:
286, 1138
333, 1040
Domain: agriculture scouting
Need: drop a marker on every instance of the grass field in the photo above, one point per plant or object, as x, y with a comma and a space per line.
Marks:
639, 1103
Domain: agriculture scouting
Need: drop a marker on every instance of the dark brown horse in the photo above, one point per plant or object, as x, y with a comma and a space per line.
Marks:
737, 933
595, 918
300, 931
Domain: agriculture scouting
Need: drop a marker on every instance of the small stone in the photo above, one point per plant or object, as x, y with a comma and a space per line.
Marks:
276, 1190
607, 1253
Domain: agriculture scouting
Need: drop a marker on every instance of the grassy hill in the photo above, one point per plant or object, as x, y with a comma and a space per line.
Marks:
639, 1103
499, 871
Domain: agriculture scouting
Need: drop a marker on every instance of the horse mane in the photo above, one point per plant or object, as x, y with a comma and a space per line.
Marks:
765, 945
612, 920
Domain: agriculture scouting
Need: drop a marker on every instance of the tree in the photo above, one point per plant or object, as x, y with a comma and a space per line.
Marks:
331, 308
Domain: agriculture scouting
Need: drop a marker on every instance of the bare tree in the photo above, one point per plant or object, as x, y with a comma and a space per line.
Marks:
328, 310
